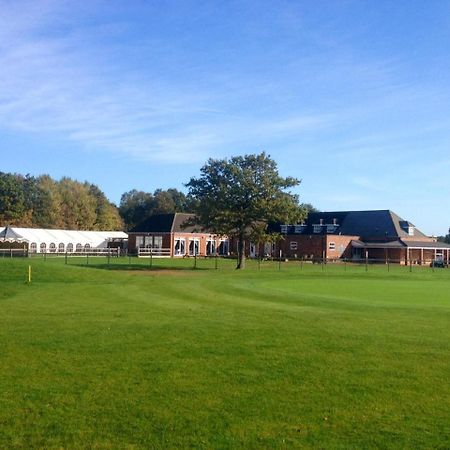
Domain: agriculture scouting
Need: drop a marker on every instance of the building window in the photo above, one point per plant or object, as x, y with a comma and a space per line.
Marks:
411, 231
210, 247
69, 248
33, 247
139, 241
293, 245
87, 246
43, 247
52, 247
61, 248
284, 229
224, 247
180, 247
268, 248
157, 242
298, 229
194, 246
317, 228
147, 242
79, 248
331, 246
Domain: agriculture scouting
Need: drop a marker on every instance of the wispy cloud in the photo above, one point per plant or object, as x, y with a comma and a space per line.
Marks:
50, 83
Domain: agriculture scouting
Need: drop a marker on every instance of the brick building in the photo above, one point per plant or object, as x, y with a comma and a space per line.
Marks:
169, 235
377, 235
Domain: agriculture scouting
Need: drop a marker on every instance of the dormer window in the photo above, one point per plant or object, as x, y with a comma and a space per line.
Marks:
283, 229
317, 228
407, 227
331, 228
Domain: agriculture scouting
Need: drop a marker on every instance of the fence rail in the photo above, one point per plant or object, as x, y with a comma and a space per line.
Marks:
153, 252
14, 252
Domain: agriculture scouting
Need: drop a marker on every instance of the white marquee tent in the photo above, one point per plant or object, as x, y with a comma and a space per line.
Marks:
42, 240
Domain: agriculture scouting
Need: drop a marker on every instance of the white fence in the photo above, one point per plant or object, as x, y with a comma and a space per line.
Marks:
12, 252
148, 252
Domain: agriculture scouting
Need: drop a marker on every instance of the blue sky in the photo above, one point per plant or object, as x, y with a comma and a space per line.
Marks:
352, 97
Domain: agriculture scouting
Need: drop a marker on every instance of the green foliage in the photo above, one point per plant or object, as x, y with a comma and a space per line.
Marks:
13, 198
136, 206
445, 239
241, 196
223, 359
45, 203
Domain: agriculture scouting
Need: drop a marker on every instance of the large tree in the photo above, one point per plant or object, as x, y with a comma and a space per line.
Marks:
240, 196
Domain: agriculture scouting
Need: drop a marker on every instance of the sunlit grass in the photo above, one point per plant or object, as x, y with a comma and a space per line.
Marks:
118, 354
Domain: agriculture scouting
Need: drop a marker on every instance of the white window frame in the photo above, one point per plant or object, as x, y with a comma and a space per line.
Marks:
181, 251
211, 246
224, 247
195, 248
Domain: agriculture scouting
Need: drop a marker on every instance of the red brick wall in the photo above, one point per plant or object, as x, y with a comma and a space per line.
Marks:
316, 246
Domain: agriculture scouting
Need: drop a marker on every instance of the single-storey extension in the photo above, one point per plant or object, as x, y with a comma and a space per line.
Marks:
170, 235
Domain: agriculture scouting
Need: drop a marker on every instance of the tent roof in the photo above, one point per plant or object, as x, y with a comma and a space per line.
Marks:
9, 235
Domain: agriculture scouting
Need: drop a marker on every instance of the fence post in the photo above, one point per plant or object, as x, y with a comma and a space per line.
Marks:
109, 257
301, 263
410, 264
279, 261
65, 259
367, 260
151, 257
215, 262
388, 264
87, 259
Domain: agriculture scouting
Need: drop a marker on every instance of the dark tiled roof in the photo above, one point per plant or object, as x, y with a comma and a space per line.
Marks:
165, 223
390, 244
161, 223
377, 224
180, 224
426, 244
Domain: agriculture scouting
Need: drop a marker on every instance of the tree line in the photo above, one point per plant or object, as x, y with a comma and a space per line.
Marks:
43, 202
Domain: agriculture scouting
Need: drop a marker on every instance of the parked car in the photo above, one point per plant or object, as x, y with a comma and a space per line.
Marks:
438, 262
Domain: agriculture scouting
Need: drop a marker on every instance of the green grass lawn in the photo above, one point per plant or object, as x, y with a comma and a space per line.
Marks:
124, 356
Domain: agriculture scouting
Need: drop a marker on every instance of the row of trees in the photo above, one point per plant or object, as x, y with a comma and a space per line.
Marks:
42, 202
